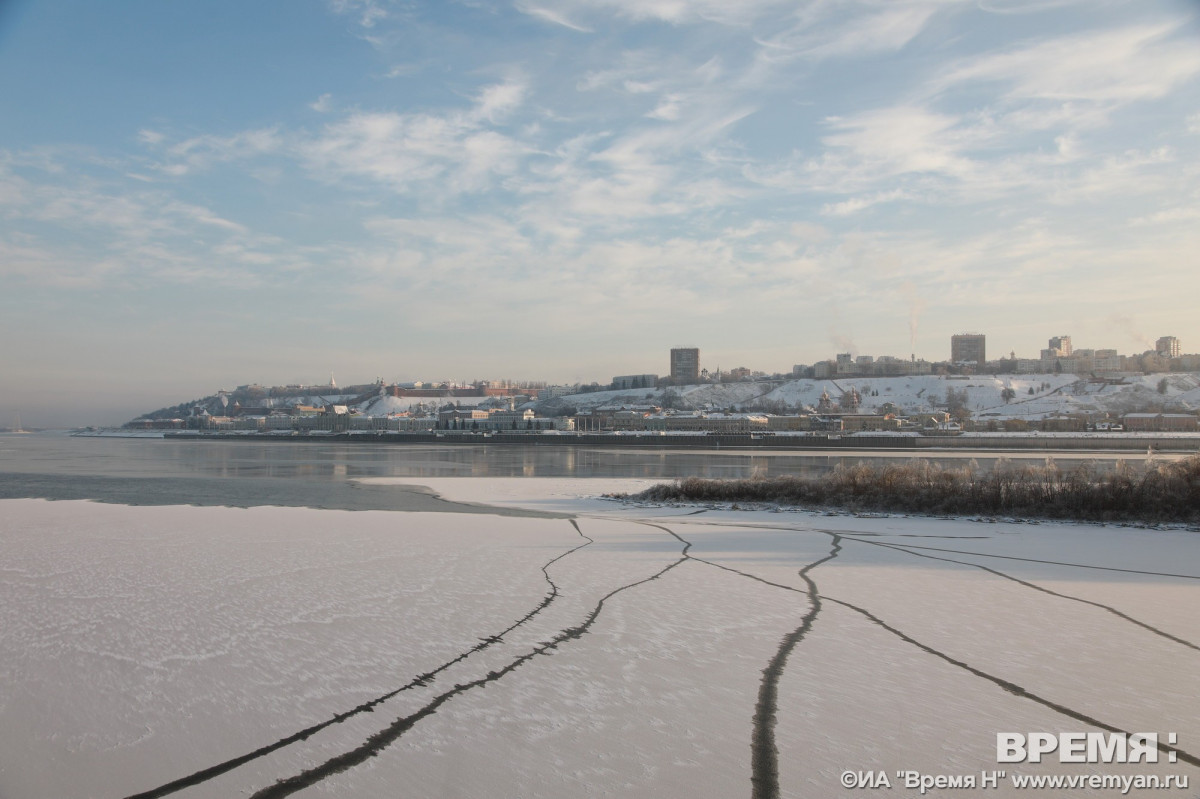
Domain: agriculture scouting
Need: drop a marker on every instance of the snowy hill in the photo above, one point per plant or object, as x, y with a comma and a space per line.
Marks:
1031, 397
1034, 396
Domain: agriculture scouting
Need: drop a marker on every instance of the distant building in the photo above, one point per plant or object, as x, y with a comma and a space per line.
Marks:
1063, 423
452, 416
1062, 346
799, 422
888, 366
626, 382
707, 422
549, 392
968, 348
859, 422
1188, 363
1161, 422
685, 365
1029, 366
1167, 346
393, 423
847, 365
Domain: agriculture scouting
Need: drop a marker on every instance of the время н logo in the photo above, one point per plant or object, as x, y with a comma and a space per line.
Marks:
1081, 747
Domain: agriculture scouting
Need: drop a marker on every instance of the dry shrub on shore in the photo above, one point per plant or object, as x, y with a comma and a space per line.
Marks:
1163, 491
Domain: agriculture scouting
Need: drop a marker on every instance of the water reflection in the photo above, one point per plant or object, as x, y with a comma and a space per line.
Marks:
60, 454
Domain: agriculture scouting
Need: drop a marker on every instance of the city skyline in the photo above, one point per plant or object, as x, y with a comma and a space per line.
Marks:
687, 368
194, 197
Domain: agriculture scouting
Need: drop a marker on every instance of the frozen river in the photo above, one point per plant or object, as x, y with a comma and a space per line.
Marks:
552, 643
243, 473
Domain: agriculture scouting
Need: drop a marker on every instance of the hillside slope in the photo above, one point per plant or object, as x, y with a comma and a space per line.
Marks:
1035, 396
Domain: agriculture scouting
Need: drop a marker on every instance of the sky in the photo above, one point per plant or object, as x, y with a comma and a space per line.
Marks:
195, 196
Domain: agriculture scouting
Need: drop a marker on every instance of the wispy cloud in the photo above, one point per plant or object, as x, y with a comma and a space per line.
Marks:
198, 153
369, 12
498, 100
459, 149
1110, 66
676, 12
856, 204
81, 233
902, 139
1027, 6
756, 160
1169, 216
1129, 174
551, 15
853, 30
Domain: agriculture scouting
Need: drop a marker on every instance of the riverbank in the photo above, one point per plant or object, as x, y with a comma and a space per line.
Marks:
1098, 442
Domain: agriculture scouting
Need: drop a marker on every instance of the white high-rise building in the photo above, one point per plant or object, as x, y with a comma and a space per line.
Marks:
1167, 346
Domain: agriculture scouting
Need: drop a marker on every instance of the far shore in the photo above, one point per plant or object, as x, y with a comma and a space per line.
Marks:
1145, 443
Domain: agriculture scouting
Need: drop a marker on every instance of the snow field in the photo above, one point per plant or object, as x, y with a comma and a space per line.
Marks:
142, 644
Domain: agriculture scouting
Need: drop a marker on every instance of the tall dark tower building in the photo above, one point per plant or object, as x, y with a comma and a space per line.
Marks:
968, 347
685, 365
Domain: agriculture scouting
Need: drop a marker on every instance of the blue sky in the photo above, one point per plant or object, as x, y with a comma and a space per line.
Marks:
199, 195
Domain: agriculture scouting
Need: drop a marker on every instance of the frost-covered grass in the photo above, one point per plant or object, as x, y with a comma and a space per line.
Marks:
1164, 491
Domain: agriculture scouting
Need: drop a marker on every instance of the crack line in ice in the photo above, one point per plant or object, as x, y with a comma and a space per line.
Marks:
784, 528
686, 544
1008, 686
390, 734
1035, 560
1011, 687
421, 680
1036, 587
764, 754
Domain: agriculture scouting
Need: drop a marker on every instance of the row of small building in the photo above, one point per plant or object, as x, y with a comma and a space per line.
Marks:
338, 418
968, 351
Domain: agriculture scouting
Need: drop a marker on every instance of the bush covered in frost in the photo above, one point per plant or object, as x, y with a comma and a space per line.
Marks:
1162, 491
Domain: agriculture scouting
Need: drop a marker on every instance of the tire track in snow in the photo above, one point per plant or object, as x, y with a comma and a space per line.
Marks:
204, 775
390, 734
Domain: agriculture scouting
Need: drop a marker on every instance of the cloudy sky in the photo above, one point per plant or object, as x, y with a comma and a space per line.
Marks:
199, 195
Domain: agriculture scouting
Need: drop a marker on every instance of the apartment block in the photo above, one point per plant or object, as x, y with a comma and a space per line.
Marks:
685, 365
968, 348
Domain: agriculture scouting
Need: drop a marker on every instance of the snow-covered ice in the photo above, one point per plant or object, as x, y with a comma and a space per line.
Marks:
621, 652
